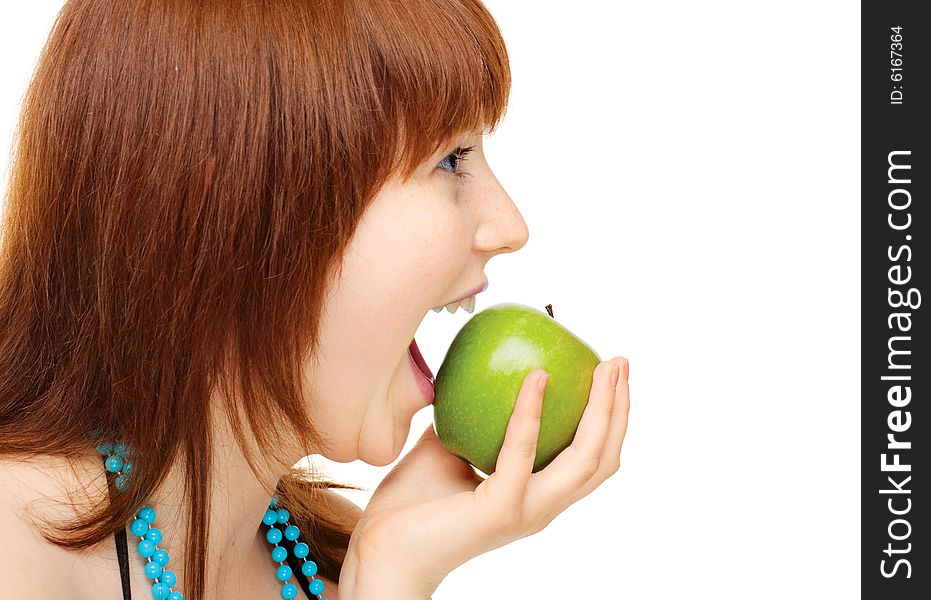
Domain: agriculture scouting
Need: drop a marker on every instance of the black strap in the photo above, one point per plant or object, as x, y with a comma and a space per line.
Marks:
120, 537
124, 562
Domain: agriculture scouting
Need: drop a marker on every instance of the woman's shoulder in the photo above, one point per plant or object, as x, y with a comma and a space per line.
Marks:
43, 485
31, 491
50, 487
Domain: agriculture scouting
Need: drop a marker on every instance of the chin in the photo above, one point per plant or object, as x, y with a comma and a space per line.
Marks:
381, 459
386, 453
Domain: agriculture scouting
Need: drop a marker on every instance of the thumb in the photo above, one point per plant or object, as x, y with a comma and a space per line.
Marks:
430, 452
428, 433
427, 438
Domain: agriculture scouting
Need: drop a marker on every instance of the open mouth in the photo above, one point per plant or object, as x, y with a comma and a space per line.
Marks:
467, 303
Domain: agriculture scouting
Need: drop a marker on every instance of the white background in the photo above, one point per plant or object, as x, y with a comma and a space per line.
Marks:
689, 172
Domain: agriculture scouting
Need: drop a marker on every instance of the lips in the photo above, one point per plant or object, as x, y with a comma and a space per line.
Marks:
477, 290
419, 361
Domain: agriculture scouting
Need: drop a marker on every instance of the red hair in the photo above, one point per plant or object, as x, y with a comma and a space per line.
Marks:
186, 178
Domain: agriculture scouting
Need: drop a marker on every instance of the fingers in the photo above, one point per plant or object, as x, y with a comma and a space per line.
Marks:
611, 457
603, 424
593, 456
612, 451
515, 459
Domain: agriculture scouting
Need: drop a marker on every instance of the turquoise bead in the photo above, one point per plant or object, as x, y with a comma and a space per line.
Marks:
153, 570
301, 550
139, 527
273, 535
159, 591
270, 517
154, 535
116, 462
309, 568
146, 548
122, 482
147, 514
316, 586
161, 557
113, 464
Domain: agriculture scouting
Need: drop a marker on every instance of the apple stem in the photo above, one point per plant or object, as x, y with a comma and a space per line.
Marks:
549, 309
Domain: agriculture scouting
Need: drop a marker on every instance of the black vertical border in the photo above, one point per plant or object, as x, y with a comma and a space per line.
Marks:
886, 128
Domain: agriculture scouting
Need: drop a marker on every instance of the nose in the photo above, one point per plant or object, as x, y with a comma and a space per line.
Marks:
501, 228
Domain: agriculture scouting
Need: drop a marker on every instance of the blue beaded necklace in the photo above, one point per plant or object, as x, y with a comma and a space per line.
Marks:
150, 537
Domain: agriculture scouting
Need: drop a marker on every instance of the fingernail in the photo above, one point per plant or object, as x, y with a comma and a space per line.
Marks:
541, 383
614, 374
626, 369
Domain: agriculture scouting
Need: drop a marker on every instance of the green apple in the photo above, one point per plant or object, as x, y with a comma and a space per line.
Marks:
477, 385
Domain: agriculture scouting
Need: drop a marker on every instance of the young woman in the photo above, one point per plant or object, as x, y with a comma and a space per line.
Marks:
226, 220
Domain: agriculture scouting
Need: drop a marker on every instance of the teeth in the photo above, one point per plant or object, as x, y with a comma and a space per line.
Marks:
467, 305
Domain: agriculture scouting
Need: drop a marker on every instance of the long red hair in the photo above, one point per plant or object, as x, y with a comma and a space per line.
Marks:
186, 177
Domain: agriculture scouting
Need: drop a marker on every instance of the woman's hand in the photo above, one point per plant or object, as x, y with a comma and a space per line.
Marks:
433, 512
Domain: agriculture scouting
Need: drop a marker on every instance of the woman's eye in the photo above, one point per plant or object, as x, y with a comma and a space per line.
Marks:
454, 161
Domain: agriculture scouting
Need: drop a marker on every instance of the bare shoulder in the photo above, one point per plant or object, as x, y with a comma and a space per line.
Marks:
50, 486
19, 565
30, 492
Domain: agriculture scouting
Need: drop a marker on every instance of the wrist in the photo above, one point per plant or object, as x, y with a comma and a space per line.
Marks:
382, 590
362, 578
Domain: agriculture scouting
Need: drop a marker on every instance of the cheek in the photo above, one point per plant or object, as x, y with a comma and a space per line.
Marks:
414, 237
421, 262
442, 246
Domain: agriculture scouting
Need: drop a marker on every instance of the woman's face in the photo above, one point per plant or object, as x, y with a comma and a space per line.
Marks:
418, 246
